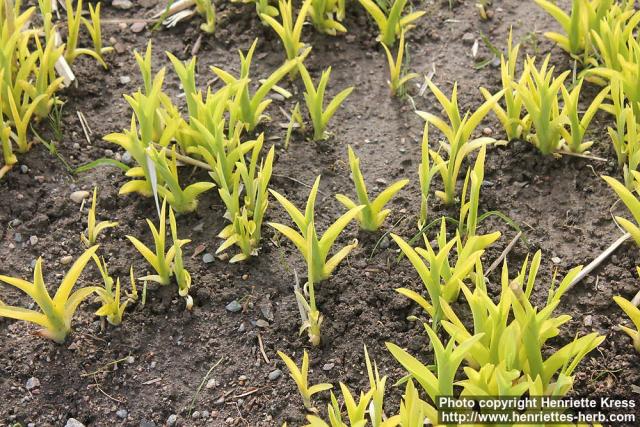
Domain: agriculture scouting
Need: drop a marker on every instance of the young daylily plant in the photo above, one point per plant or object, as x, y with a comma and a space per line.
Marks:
317, 258
634, 314
397, 79
161, 260
54, 314
458, 133
394, 24
314, 99
373, 214
301, 377
94, 229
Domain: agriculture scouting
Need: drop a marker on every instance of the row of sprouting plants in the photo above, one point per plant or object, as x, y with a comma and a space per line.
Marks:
501, 352
35, 64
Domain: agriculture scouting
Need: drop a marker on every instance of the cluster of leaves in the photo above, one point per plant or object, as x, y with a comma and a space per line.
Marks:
34, 66
360, 410
503, 350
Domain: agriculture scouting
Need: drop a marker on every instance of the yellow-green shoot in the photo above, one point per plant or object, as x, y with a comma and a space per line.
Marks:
301, 378
393, 25
397, 79
54, 314
314, 99
317, 258
373, 214
95, 228
458, 133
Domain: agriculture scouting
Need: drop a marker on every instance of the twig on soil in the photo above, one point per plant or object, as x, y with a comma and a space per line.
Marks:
298, 182
204, 380
504, 254
85, 127
581, 155
599, 259
103, 368
248, 393
105, 393
264, 355
184, 159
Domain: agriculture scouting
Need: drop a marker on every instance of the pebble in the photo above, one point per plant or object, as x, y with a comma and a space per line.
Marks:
205, 414
147, 423
588, 320
32, 383
195, 415
172, 420
199, 227
261, 323
328, 366
76, 146
33, 240
72, 422
108, 153
234, 306
24, 169
122, 414
384, 244
79, 196
274, 375
468, 39
207, 258
66, 259
122, 4
126, 158
17, 237
556, 260
129, 360
487, 131
138, 27
125, 80
212, 383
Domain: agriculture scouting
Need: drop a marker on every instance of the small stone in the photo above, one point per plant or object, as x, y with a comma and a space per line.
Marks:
126, 158
468, 39
76, 146
199, 227
72, 422
211, 384
138, 27
261, 323
125, 80
588, 320
122, 414
242, 379
32, 383
172, 420
129, 360
195, 415
245, 276
207, 258
79, 196
487, 131
66, 259
274, 375
234, 306
122, 4
147, 423
242, 327
384, 243
381, 181
205, 414
24, 169
277, 97
108, 153
33, 240
17, 237
33, 263
328, 366
556, 260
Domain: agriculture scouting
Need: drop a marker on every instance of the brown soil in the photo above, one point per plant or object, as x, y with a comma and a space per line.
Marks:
562, 205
